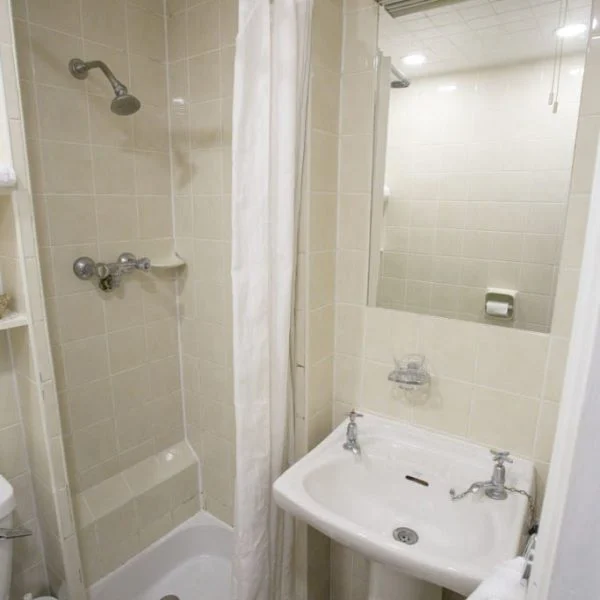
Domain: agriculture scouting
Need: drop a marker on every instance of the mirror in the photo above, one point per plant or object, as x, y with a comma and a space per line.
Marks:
476, 113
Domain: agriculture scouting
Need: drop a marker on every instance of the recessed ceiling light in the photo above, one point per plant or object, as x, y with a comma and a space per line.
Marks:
414, 59
450, 87
569, 31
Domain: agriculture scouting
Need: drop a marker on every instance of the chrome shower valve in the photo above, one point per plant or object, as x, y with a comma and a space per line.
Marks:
109, 274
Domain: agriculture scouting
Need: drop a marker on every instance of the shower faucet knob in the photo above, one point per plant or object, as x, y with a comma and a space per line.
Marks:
84, 267
143, 264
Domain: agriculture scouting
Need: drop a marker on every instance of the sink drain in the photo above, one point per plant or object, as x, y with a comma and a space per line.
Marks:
170, 597
406, 536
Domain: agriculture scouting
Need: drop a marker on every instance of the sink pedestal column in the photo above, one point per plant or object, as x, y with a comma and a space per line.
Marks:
386, 583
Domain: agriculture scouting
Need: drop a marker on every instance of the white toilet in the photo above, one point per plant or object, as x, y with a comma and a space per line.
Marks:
7, 507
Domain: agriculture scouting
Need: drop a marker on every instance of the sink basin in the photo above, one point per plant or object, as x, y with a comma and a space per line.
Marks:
402, 478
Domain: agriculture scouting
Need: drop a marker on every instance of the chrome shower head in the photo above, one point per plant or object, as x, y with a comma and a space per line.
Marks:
123, 103
401, 80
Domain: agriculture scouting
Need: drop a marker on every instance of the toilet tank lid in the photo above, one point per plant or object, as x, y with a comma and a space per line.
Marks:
7, 498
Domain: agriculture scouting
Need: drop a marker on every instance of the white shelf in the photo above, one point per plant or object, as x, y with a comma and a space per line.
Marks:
11, 320
168, 262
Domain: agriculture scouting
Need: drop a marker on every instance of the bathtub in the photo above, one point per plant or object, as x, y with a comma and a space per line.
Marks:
193, 561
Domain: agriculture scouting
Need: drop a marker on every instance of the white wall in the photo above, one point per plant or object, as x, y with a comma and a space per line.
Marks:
478, 167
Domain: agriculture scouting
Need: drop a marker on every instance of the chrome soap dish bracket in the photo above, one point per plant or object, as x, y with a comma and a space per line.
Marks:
109, 274
411, 374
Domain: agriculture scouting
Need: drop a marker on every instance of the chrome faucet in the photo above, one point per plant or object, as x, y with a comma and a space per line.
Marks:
351, 442
109, 274
494, 488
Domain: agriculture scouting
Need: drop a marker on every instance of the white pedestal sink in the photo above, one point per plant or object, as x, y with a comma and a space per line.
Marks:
402, 479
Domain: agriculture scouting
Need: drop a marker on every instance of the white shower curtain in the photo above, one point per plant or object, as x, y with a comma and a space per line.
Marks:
269, 121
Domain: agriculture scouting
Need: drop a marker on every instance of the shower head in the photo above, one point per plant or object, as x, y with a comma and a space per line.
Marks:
401, 81
123, 103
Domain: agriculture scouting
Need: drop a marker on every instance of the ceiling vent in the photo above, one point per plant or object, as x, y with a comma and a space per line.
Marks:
399, 8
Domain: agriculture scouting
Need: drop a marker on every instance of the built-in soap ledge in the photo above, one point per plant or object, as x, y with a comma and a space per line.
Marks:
129, 511
171, 261
161, 253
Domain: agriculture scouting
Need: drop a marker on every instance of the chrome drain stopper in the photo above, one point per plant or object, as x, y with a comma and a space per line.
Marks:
406, 535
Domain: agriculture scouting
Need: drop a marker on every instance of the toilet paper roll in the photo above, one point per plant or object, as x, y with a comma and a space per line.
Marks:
497, 309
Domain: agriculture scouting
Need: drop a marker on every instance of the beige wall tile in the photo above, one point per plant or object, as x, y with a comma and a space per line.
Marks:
349, 329
80, 316
351, 276
518, 372
321, 279
85, 360
357, 103
354, 221
105, 22
126, 348
327, 35
155, 215
380, 395
360, 31
321, 323
12, 446
149, 80
89, 404
450, 347
390, 334
203, 28
65, 18
448, 407
355, 163
71, 219
95, 445
504, 420
564, 306
545, 432
320, 388
145, 31
347, 377
325, 99
323, 217
51, 51
62, 114
205, 77
323, 162
67, 168
555, 369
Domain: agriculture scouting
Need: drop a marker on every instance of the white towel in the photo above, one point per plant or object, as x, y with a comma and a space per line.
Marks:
8, 177
504, 583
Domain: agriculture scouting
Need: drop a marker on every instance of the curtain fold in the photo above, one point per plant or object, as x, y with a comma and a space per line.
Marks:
269, 123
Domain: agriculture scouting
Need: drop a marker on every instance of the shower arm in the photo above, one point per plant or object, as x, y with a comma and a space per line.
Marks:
80, 69
402, 79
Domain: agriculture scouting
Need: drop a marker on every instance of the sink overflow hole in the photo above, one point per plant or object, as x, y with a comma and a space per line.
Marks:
417, 480
406, 536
